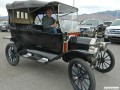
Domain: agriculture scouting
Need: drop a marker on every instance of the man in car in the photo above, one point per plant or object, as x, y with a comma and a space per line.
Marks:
48, 22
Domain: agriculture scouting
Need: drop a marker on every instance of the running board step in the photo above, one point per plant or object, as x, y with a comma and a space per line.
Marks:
27, 55
49, 56
43, 60
37, 58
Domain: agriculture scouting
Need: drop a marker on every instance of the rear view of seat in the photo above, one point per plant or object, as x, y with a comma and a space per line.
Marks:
29, 27
38, 27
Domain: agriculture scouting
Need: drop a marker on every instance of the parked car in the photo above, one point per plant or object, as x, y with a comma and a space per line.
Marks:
4, 26
107, 23
90, 27
30, 41
112, 33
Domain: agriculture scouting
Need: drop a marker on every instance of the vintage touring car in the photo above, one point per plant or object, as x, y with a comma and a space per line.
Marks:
29, 40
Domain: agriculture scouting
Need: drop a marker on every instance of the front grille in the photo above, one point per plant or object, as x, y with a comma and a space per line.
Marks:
84, 29
115, 39
115, 31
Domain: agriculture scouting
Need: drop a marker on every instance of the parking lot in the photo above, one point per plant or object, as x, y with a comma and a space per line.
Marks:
30, 75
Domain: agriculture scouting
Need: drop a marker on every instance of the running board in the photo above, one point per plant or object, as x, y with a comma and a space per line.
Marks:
36, 57
43, 60
39, 56
47, 55
27, 55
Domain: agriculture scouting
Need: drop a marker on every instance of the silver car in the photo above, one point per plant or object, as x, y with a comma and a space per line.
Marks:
112, 33
4, 26
90, 27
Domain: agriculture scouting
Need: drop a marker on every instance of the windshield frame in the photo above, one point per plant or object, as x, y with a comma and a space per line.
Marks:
68, 20
65, 14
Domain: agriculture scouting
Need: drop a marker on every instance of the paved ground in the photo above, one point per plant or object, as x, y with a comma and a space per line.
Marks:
29, 75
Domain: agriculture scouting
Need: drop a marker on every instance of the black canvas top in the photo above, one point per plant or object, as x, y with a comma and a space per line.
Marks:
31, 4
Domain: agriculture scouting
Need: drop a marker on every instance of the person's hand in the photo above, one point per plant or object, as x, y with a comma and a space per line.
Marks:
54, 25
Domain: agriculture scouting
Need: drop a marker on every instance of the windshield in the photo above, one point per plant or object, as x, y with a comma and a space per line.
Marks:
69, 26
68, 18
116, 23
67, 12
90, 22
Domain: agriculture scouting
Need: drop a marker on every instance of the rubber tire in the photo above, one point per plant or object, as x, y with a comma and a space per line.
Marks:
111, 65
6, 52
87, 68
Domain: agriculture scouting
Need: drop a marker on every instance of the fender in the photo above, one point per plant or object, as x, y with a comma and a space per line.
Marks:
17, 43
83, 54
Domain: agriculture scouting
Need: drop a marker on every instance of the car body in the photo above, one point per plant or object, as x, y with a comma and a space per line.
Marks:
112, 33
89, 27
4, 26
30, 41
107, 23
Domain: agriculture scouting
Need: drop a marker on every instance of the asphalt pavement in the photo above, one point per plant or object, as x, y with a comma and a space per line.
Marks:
30, 75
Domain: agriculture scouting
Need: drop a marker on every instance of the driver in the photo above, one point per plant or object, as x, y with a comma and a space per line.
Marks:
48, 22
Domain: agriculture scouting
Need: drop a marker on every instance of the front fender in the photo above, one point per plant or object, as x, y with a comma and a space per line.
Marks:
83, 54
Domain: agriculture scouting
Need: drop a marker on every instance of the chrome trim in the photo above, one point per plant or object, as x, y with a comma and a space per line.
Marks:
93, 49
93, 41
103, 46
27, 55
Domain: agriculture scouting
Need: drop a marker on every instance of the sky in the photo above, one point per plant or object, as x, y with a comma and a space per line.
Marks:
84, 6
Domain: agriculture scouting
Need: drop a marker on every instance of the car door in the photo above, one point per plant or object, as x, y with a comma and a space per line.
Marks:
47, 41
21, 33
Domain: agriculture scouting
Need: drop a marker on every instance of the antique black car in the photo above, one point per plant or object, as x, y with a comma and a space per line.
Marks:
29, 40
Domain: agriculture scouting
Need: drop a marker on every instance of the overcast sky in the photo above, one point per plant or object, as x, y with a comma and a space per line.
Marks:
85, 6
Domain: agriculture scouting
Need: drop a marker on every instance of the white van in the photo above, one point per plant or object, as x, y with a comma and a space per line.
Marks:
112, 33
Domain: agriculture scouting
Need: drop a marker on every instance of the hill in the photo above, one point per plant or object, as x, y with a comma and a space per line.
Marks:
115, 13
3, 18
104, 17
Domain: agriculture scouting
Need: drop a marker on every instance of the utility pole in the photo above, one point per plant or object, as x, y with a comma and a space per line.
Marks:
117, 14
72, 15
73, 3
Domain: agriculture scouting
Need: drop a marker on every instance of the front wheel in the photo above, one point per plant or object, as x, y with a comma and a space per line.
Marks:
81, 75
105, 61
11, 54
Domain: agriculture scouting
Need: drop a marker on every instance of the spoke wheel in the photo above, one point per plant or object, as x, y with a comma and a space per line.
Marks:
81, 75
106, 61
11, 54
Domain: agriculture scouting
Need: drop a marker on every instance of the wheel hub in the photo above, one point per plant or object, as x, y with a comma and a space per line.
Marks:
102, 60
76, 77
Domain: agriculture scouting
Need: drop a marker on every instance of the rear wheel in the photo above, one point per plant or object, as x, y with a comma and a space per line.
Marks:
11, 54
81, 75
106, 61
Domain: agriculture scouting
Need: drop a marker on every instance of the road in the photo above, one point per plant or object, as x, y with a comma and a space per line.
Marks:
30, 75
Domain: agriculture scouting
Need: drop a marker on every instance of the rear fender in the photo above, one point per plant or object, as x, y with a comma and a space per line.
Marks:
85, 55
17, 43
